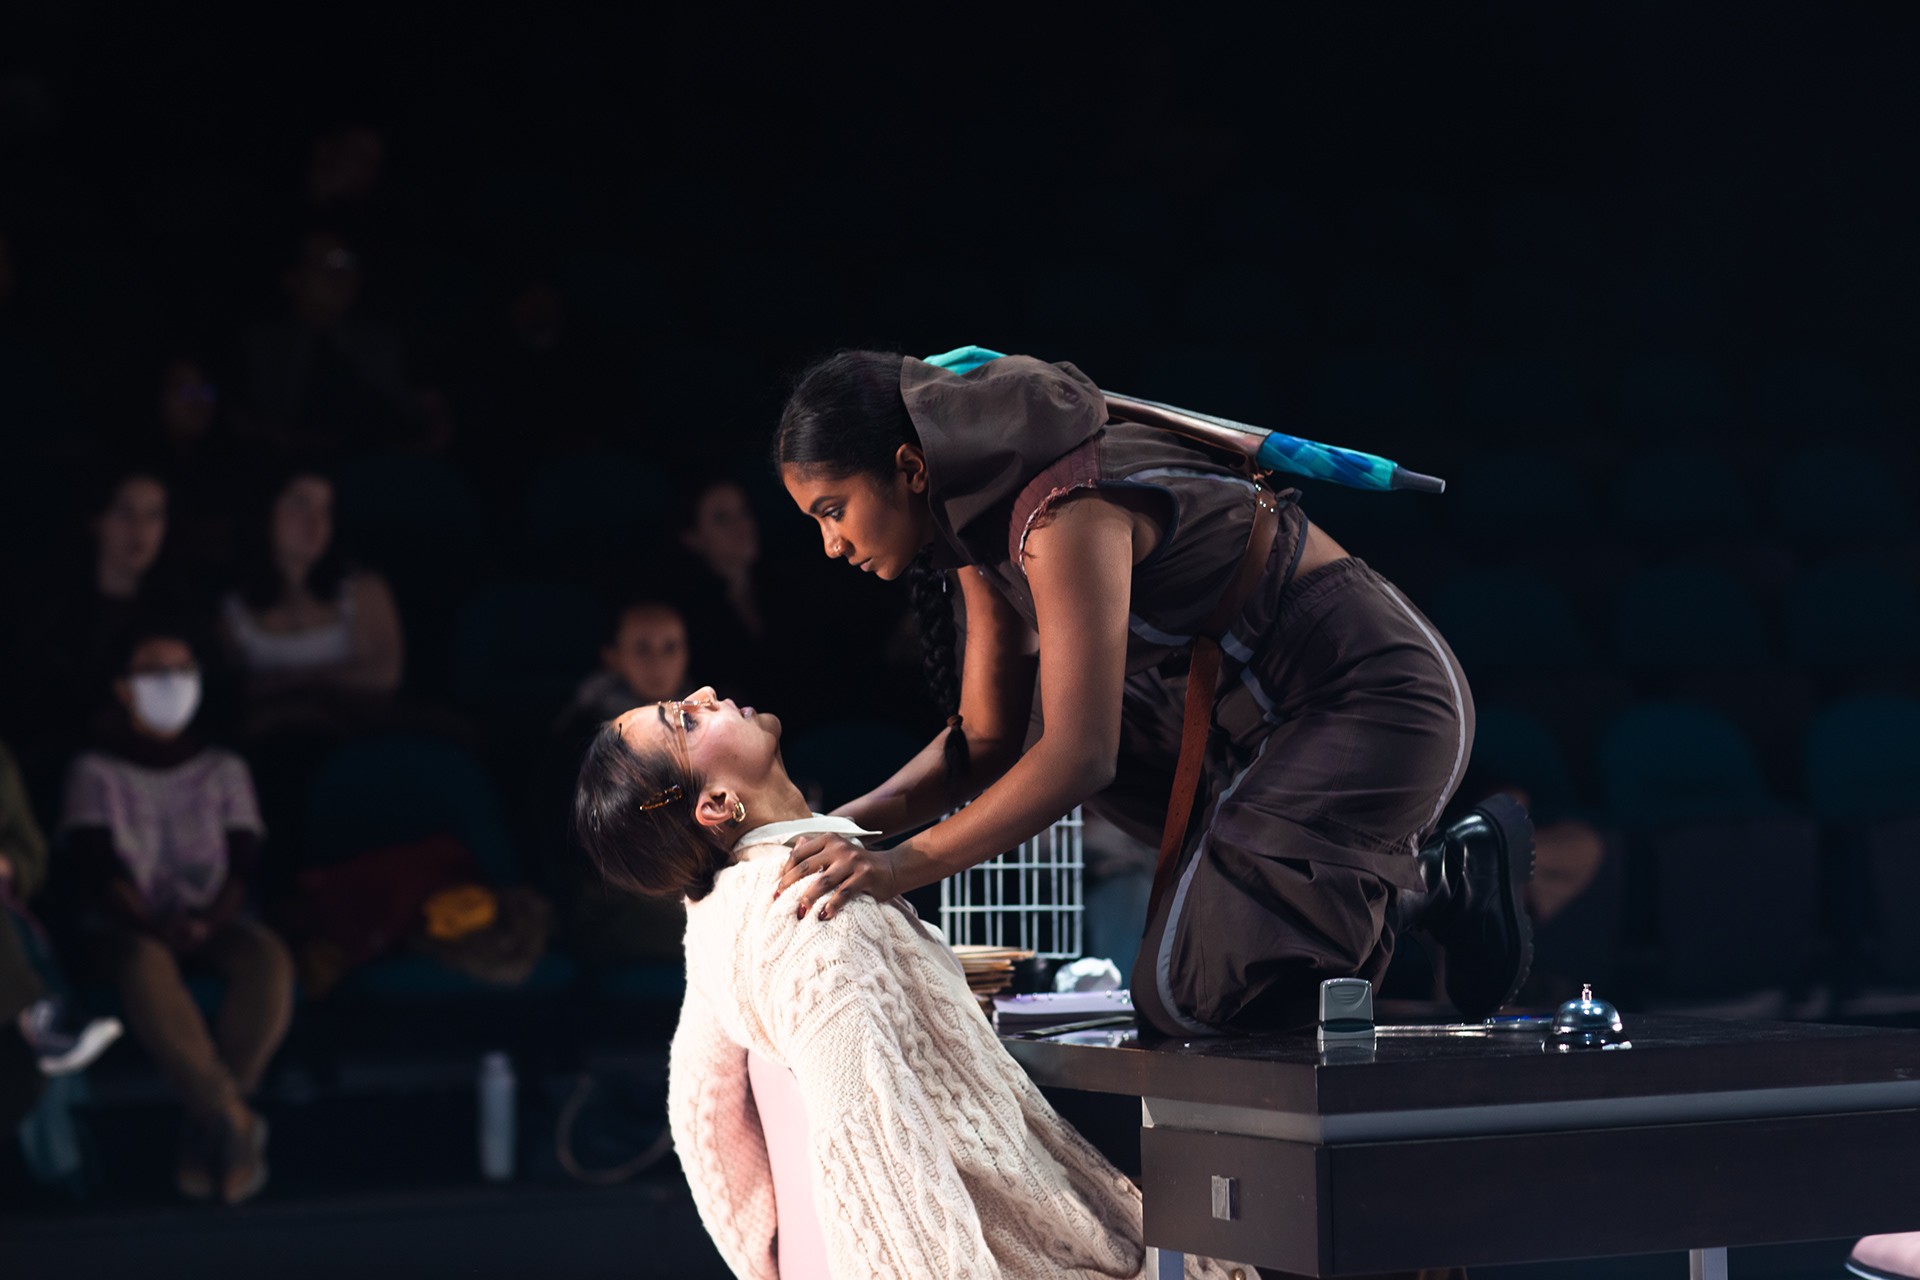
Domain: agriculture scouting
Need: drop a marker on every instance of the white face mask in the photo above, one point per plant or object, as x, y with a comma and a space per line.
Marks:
166, 700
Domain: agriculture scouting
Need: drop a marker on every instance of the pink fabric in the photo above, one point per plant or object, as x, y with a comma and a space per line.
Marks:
169, 825
783, 1121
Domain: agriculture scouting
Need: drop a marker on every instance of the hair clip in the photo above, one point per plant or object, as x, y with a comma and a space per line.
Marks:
665, 798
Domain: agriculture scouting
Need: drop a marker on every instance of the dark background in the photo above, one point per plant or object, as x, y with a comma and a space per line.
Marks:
1638, 279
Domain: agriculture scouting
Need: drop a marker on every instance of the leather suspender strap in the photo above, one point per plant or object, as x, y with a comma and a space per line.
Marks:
1202, 676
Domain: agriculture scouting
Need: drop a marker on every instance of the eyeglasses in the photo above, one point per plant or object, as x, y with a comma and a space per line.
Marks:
675, 714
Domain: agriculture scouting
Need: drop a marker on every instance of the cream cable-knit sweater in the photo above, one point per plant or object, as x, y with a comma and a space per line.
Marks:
935, 1156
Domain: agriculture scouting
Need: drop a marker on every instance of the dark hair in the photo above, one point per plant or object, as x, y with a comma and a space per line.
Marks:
686, 507
103, 484
659, 851
628, 604
261, 585
157, 626
847, 417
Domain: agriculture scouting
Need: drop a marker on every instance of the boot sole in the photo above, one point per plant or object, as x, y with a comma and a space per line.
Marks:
1485, 991
1516, 870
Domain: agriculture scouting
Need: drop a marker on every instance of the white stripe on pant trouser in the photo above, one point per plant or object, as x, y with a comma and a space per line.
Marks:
1163, 955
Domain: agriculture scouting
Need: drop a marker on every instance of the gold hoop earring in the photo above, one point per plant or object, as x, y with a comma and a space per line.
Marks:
739, 811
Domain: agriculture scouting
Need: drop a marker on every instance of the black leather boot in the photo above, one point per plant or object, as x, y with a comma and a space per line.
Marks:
1476, 870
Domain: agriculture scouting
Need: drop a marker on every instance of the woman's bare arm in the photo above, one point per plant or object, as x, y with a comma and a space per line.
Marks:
1080, 568
996, 702
379, 650
379, 646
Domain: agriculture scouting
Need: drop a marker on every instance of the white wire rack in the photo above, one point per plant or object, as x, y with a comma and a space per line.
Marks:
1030, 898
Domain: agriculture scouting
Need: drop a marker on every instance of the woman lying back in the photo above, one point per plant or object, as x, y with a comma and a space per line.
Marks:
839, 1105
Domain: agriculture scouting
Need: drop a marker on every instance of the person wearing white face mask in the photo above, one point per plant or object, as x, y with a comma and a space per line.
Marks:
162, 834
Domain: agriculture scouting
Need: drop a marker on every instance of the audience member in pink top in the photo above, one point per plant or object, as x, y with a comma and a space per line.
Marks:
161, 836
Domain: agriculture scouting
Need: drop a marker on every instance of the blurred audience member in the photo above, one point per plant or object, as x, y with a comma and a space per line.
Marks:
728, 600
326, 378
36, 1037
343, 170
717, 526
644, 660
531, 367
187, 403
68, 652
186, 430
319, 640
163, 835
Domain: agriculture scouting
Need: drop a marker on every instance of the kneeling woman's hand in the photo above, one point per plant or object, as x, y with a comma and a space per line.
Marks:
840, 869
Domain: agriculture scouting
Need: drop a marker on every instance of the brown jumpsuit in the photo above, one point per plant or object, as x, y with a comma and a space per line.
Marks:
1341, 727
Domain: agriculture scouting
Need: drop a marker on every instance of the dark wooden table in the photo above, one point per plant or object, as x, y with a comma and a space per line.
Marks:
1503, 1146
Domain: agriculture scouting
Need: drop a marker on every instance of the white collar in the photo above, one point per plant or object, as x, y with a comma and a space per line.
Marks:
794, 828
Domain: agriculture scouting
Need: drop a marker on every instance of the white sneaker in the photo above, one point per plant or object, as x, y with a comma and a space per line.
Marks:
62, 1050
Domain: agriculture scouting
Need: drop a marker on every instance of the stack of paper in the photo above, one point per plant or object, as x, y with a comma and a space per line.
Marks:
989, 970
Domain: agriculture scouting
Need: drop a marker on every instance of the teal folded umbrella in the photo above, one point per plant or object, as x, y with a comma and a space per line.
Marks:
1268, 450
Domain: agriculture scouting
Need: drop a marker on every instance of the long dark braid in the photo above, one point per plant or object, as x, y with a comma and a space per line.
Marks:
940, 658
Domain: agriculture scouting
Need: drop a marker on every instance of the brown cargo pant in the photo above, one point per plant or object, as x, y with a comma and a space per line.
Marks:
1341, 729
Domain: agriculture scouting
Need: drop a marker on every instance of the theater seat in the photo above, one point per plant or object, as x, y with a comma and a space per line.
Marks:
1360, 393
1892, 857
1671, 397
1683, 617
420, 522
1851, 619
1738, 903
1664, 763
1728, 878
521, 648
1527, 398
595, 504
402, 788
1862, 763
1501, 620
1862, 760
395, 505
1681, 496
1512, 748
1834, 496
1503, 500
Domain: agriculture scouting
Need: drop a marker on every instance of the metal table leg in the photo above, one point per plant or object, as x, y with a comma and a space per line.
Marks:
1707, 1264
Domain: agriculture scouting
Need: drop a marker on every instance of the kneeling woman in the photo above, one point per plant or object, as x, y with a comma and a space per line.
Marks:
839, 1105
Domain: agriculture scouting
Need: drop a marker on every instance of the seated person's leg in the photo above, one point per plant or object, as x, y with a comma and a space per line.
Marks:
259, 998
167, 1023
